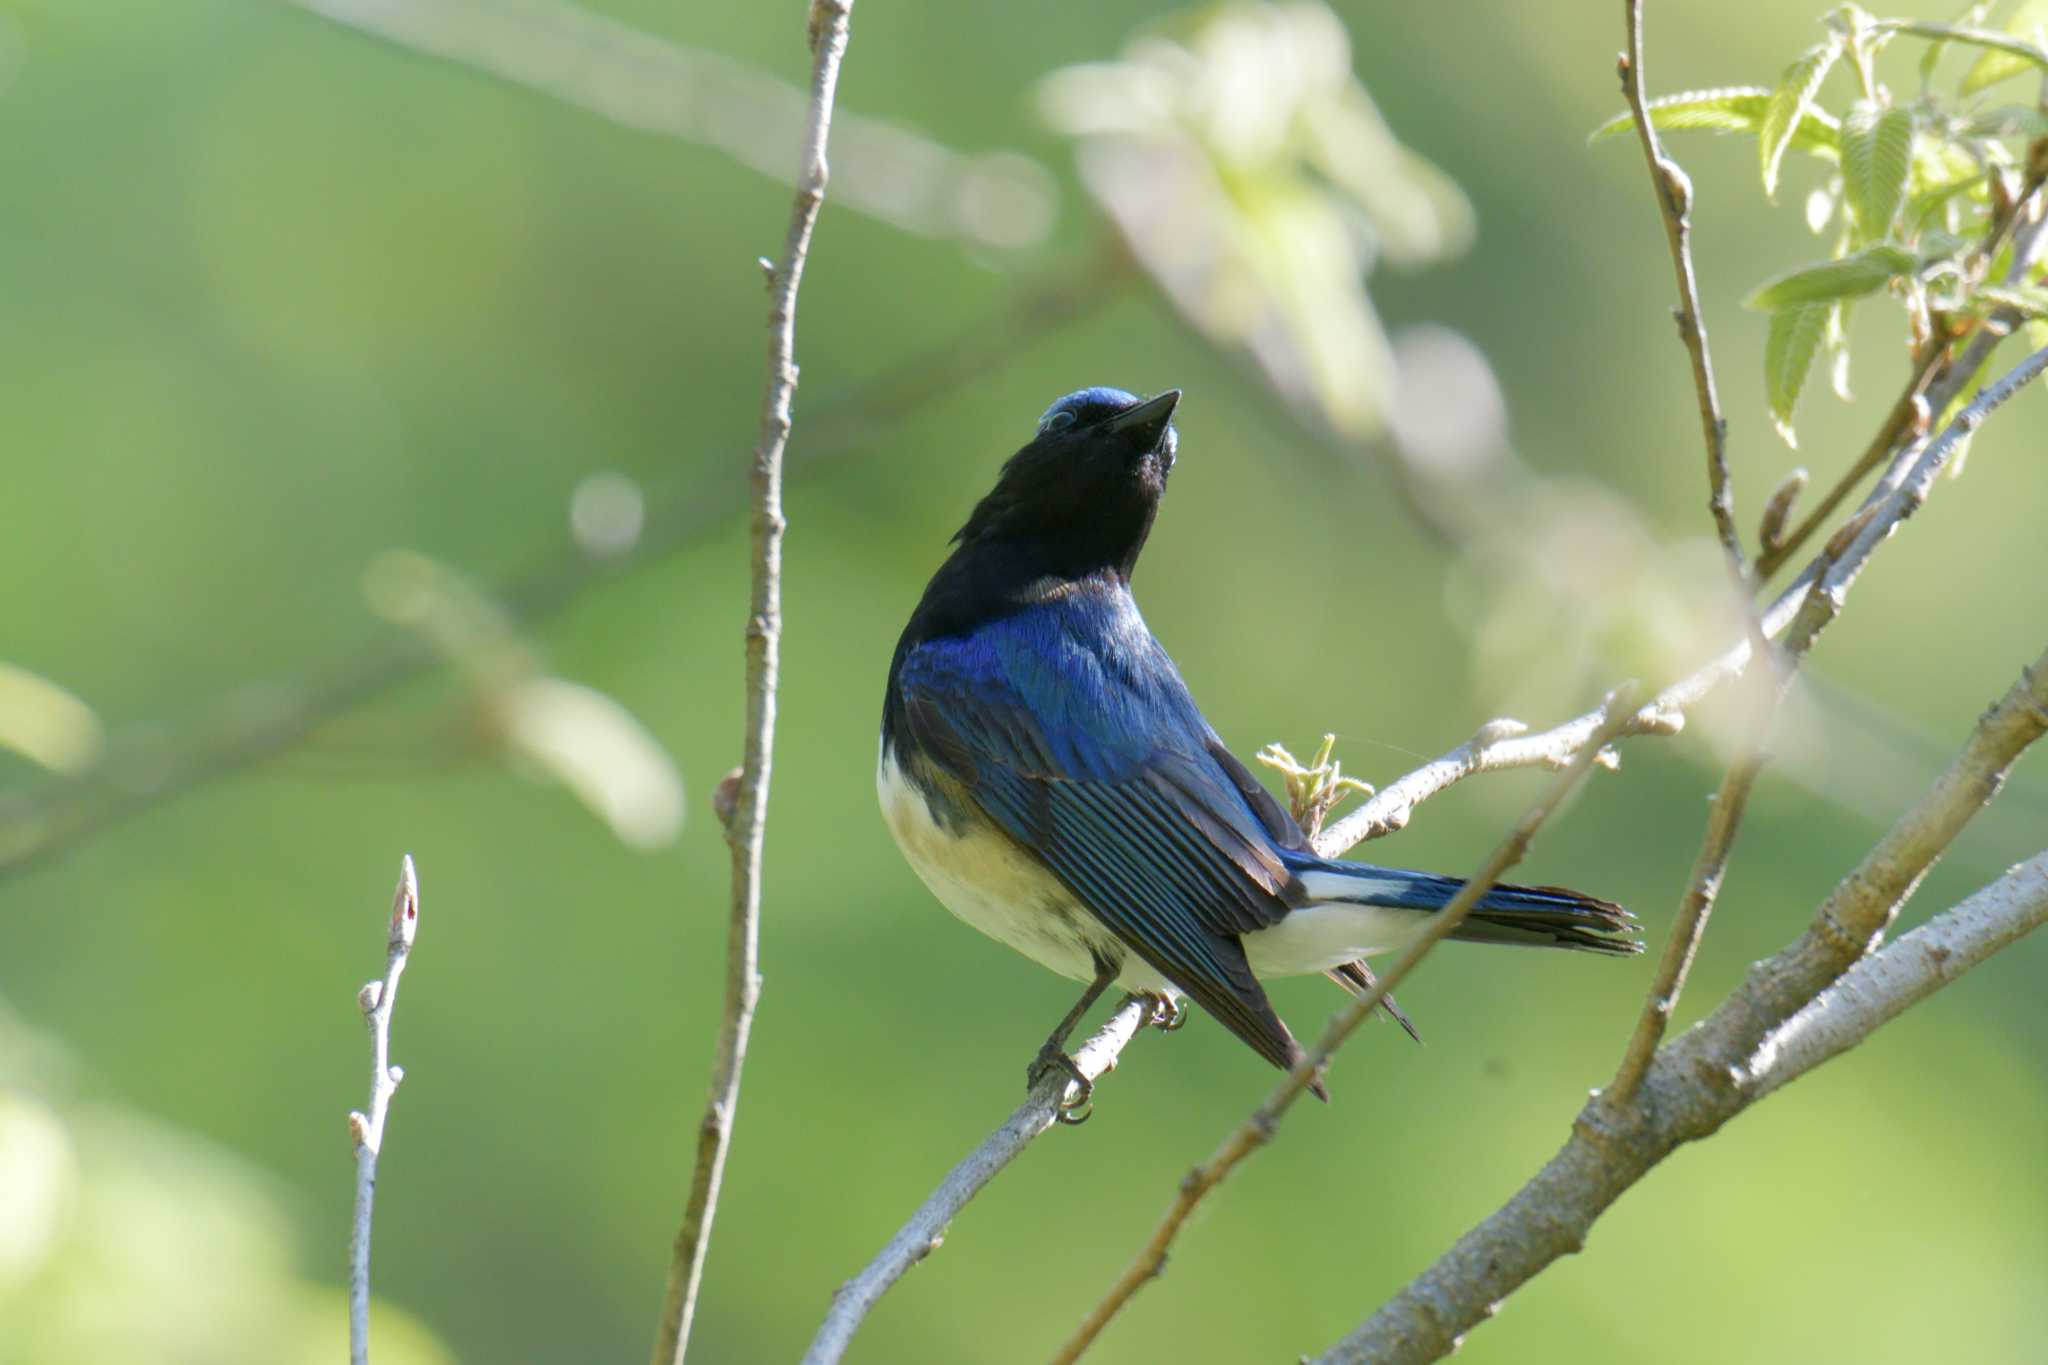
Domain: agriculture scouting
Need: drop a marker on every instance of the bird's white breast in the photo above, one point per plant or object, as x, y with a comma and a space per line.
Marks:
986, 880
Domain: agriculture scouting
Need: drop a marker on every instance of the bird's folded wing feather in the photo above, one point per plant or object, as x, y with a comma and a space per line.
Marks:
1110, 776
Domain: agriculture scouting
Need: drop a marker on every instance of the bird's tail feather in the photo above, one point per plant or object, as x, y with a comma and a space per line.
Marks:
1532, 916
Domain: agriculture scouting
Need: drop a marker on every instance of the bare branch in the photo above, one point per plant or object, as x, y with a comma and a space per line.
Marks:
748, 825
1258, 1129
1690, 924
926, 1229
366, 1130
1674, 200
1700, 1080
1885, 985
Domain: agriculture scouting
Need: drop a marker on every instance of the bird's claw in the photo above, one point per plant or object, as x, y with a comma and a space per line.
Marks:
1168, 1013
1076, 1104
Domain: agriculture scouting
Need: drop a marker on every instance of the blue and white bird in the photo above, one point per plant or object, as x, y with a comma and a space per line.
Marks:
1047, 774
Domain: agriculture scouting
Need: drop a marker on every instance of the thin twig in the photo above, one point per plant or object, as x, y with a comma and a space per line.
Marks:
1258, 1129
1703, 886
366, 1129
1697, 1082
1674, 200
926, 1229
747, 825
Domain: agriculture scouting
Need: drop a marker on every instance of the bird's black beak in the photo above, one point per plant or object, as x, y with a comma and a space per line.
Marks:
1145, 425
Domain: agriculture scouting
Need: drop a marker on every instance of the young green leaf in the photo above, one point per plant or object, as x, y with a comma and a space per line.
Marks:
1877, 147
1794, 339
1851, 277
2009, 120
1730, 109
2027, 22
1788, 105
2025, 53
1971, 16
1930, 201
2029, 302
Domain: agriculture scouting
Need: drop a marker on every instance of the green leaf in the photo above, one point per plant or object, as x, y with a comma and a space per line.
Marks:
2026, 53
1787, 107
2010, 120
2030, 302
1877, 147
1971, 16
1794, 340
2028, 21
1851, 277
1730, 109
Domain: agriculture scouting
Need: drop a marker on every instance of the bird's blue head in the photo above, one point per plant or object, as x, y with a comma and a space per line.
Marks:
1086, 487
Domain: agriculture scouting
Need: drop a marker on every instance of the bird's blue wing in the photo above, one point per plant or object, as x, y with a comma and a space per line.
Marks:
1070, 728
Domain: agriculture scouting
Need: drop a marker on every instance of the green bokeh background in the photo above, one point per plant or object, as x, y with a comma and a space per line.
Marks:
278, 297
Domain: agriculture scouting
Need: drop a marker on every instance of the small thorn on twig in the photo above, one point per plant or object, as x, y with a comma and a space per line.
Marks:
369, 995
767, 270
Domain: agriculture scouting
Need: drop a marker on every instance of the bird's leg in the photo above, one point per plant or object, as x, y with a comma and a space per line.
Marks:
1169, 1012
1053, 1056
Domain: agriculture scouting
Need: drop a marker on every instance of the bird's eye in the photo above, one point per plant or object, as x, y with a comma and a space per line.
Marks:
1056, 421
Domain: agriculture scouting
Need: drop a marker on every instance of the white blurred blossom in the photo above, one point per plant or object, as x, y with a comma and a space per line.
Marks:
1255, 180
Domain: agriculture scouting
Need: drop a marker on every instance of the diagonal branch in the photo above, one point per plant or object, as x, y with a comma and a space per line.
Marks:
747, 824
1700, 1080
926, 1230
1258, 1129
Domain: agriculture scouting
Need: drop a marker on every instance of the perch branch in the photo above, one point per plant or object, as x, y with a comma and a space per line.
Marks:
1700, 1080
926, 1229
748, 822
366, 1129
1258, 1129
